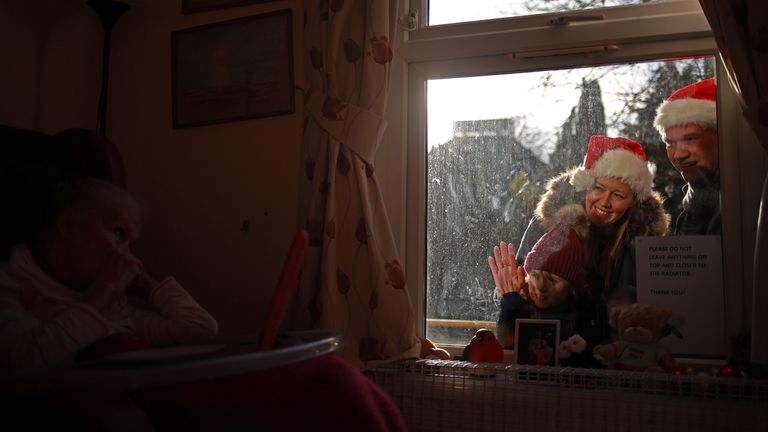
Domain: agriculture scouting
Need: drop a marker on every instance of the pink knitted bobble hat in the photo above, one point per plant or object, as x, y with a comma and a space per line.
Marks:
559, 252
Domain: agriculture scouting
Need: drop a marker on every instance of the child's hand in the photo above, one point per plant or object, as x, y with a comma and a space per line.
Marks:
507, 275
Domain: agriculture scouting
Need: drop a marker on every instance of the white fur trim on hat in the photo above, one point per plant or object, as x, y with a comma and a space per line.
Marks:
621, 164
680, 112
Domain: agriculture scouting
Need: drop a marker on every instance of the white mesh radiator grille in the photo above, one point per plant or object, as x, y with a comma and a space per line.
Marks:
438, 395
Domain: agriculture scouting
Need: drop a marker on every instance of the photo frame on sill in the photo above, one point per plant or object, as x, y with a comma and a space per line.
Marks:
537, 341
233, 70
194, 6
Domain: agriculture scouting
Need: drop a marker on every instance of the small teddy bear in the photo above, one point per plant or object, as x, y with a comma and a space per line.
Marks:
640, 326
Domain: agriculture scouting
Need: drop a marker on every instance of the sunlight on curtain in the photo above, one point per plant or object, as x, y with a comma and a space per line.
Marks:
353, 278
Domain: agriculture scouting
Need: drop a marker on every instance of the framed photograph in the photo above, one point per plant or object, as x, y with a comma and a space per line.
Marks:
193, 6
537, 341
233, 70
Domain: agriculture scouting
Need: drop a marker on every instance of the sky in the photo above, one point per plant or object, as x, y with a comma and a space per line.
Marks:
451, 11
502, 96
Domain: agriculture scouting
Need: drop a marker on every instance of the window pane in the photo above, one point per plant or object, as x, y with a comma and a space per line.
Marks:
453, 11
494, 141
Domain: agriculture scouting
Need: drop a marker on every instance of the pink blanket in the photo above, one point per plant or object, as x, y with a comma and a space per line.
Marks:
323, 393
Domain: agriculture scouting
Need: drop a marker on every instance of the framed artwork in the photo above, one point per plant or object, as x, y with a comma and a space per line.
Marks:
233, 70
193, 6
537, 341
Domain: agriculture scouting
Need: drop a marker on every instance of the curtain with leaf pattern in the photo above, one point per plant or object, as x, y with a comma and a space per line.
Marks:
741, 32
352, 278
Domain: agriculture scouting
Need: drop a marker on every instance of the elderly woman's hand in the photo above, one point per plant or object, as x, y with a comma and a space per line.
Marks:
143, 285
115, 275
507, 275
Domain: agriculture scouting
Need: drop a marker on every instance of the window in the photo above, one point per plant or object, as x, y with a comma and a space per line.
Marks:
493, 141
453, 11
523, 59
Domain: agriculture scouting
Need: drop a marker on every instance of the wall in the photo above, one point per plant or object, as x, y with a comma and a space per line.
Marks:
199, 183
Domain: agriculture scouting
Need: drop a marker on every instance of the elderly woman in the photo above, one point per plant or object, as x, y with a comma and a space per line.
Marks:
609, 201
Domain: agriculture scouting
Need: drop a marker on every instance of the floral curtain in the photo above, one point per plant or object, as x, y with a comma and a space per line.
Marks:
352, 279
741, 32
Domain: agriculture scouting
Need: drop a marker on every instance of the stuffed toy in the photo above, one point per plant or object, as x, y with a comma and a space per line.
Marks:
430, 351
640, 327
484, 348
573, 345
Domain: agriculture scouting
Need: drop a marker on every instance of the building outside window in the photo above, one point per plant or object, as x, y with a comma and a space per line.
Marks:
485, 178
500, 104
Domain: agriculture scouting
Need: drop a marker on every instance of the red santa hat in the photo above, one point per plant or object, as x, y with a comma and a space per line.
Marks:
619, 158
692, 104
559, 252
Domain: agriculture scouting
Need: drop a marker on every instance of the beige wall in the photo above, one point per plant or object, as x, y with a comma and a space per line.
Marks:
199, 183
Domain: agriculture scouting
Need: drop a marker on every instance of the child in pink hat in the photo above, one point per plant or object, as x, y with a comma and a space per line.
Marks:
608, 200
545, 286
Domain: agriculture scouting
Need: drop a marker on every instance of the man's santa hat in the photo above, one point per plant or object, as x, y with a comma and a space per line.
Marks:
692, 104
619, 158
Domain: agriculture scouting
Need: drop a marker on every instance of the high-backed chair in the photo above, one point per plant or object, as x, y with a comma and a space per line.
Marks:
93, 155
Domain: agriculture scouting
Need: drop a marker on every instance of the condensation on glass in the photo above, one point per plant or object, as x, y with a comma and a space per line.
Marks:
494, 141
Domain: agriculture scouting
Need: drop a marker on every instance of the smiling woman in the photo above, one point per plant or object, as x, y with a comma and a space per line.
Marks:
485, 176
608, 201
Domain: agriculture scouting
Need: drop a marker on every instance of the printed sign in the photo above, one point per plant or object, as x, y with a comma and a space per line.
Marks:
685, 274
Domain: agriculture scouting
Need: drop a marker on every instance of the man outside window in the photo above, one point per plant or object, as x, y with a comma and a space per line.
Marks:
687, 122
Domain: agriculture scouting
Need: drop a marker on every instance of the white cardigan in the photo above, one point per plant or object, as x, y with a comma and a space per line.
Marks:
44, 323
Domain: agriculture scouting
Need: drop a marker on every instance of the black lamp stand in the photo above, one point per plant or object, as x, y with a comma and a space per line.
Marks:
108, 12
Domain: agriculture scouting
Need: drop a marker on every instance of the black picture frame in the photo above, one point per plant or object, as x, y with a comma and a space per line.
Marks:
195, 6
537, 342
233, 70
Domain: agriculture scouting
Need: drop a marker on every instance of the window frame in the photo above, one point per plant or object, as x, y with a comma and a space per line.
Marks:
672, 19
632, 11
484, 47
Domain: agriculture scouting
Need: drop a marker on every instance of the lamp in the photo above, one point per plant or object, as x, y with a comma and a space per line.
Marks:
108, 12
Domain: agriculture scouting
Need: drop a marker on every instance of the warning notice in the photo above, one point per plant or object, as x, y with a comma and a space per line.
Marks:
684, 274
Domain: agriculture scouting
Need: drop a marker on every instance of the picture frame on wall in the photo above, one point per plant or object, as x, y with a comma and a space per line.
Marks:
194, 6
537, 342
233, 70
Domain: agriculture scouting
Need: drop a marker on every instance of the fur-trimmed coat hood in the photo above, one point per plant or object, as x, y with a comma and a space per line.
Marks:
562, 203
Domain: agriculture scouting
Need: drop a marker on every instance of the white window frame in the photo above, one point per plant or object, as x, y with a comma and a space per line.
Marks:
641, 32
